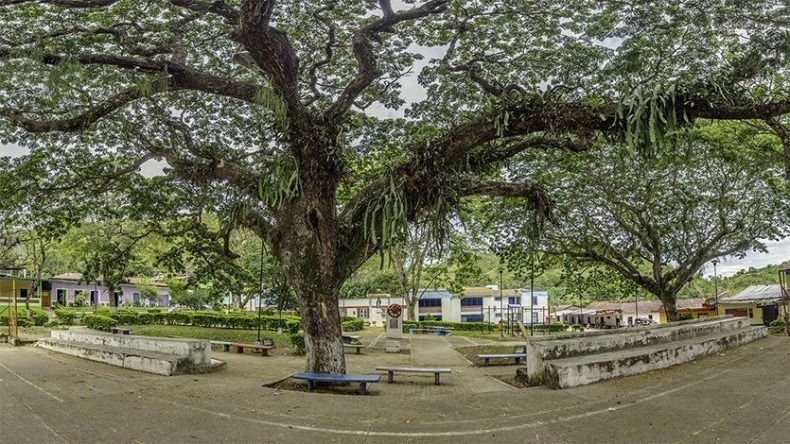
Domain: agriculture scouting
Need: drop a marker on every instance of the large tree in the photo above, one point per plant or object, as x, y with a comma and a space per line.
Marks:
657, 219
269, 107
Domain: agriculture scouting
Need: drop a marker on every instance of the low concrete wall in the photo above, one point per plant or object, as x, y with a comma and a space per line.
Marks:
197, 351
149, 362
540, 351
585, 370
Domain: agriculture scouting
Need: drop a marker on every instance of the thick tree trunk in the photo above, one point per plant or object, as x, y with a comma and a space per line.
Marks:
670, 306
305, 240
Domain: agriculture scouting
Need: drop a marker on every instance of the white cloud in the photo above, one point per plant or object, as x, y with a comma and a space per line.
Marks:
778, 252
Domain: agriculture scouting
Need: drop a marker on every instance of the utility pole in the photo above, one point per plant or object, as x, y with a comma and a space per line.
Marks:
501, 307
716, 285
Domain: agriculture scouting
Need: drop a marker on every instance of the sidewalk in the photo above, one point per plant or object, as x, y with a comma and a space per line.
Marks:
738, 396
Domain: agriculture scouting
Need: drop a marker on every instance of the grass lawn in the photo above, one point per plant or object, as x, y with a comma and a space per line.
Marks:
213, 334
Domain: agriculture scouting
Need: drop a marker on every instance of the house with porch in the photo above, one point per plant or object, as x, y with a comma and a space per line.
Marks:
760, 303
21, 289
69, 287
692, 308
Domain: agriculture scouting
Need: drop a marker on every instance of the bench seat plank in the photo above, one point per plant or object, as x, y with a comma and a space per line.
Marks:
391, 371
312, 378
517, 356
356, 346
264, 349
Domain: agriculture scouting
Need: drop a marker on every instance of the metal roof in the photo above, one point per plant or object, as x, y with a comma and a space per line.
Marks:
760, 294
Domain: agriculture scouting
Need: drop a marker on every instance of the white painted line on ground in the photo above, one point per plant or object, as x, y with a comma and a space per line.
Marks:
31, 384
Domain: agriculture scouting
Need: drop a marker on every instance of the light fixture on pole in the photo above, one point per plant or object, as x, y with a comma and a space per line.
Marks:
501, 307
260, 289
716, 285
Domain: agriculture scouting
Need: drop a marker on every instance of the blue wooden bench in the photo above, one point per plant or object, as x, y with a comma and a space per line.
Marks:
312, 378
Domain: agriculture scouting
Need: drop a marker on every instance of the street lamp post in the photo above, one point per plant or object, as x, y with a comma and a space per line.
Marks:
716, 285
501, 307
260, 290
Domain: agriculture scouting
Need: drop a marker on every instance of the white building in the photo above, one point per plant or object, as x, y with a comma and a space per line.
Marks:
477, 304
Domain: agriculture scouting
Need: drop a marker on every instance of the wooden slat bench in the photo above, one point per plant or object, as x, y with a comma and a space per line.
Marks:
356, 346
312, 378
122, 330
391, 370
517, 356
264, 349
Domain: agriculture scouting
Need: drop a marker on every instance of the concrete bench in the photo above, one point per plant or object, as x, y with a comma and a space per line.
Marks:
312, 378
517, 356
264, 349
391, 370
225, 345
358, 347
350, 339
122, 330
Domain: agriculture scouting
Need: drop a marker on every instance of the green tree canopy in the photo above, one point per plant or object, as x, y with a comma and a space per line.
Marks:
268, 112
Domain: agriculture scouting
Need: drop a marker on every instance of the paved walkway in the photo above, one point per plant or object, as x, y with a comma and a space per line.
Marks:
738, 396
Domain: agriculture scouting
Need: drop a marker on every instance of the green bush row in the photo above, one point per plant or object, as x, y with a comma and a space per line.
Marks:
99, 322
213, 319
65, 317
37, 317
353, 324
475, 326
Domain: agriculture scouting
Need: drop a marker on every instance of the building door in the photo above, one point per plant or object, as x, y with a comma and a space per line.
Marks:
45, 300
770, 312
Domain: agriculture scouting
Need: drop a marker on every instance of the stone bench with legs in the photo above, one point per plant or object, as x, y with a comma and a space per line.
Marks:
312, 378
358, 347
122, 330
516, 356
391, 370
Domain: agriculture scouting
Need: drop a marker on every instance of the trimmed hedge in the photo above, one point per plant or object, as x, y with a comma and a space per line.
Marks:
297, 340
37, 317
99, 322
65, 316
354, 324
475, 326
212, 319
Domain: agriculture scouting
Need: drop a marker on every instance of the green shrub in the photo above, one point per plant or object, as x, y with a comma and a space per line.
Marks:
154, 310
293, 326
297, 340
99, 322
65, 316
355, 324
778, 322
38, 316
577, 327
128, 317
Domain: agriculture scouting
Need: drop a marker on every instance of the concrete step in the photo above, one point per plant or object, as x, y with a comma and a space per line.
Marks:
159, 363
564, 347
586, 369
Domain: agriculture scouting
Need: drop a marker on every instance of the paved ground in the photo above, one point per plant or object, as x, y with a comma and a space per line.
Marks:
739, 396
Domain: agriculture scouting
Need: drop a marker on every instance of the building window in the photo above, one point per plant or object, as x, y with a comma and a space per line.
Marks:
23, 293
472, 302
363, 313
472, 318
535, 317
430, 302
514, 300
751, 313
650, 317
497, 298
60, 296
94, 297
534, 300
